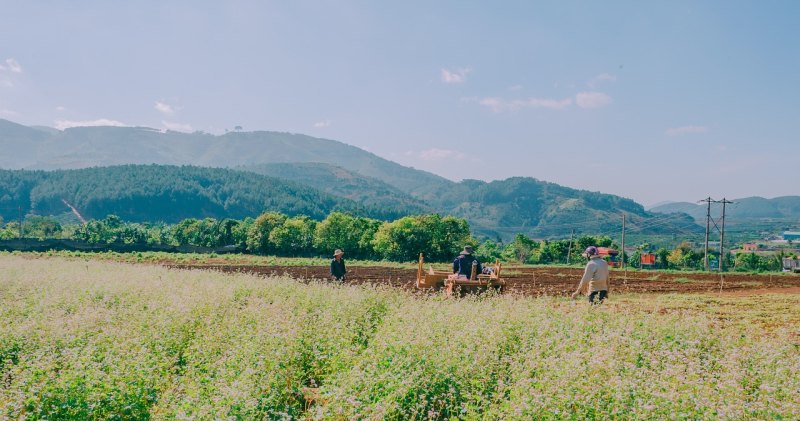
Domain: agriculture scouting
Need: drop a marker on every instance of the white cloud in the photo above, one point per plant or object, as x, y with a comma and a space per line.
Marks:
177, 127
682, 130
66, 124
8, 113
499, 105
61, 108
6, 83
592, 99
164, 108
603, 77
455, 76
436, 154
515, 88
323, 123
13, 65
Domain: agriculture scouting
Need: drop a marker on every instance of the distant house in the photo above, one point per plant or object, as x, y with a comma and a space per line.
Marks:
647, 261
610, 255
750, 247
791, 235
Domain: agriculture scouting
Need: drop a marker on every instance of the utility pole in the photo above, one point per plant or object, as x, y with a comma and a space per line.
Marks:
569, 249
623, 243
708, 200
20, 221
722, 235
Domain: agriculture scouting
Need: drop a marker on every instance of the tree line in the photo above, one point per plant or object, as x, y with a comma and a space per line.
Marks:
439, 237
272, 233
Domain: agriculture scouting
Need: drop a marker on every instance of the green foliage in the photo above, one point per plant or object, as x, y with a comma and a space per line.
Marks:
521, 249
490, 251
207, 232
9, 231
662, 258
40, 227
111, 230
294, 237
440, 239
752, 262
350, 233
258, 235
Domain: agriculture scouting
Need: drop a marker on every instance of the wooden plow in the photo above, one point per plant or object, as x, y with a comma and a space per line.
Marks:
438, 280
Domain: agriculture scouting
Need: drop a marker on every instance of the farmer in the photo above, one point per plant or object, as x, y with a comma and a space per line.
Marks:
595, 277
338, 270
462, 265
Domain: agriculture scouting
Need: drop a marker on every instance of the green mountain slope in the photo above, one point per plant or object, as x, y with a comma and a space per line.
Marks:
166, 193
538, 208
343, 183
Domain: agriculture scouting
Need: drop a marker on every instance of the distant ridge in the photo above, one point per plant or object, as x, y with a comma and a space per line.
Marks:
748, 208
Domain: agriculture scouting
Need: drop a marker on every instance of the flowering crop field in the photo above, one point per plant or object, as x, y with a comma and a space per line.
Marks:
105, 340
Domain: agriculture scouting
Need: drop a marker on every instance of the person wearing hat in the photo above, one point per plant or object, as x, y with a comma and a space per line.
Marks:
595, 277
338, 270
462, 265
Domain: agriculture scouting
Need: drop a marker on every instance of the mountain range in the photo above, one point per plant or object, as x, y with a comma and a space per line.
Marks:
747, 217
341, 176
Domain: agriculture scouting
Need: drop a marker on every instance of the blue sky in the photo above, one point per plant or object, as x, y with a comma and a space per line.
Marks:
654, 101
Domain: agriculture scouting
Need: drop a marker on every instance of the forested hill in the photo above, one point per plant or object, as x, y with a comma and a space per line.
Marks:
343, 183
500, 208
542, 209
169, 194
82, 147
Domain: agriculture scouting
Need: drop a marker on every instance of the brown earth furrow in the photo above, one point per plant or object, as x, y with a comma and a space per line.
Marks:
541, 281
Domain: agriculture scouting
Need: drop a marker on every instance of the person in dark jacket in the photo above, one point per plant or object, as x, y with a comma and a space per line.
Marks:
462, 265
338, 270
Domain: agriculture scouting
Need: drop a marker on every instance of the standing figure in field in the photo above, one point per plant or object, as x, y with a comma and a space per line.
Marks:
338, 270
463, 264
595, 277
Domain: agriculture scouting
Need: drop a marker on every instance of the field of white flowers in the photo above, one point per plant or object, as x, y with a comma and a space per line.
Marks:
87, 339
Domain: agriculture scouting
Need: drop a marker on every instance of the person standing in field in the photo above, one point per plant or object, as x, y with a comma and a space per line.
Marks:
595, 277
338, 271
462, 265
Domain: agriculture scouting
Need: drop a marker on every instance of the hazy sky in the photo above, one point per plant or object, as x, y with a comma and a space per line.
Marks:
660, 100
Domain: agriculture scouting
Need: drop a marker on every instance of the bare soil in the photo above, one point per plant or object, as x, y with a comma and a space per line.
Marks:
545, 280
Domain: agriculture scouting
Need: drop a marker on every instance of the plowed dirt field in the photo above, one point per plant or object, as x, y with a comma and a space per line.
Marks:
544, 280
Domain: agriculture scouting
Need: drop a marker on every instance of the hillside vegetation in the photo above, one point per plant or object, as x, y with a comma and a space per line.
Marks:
341, 182
150, 193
